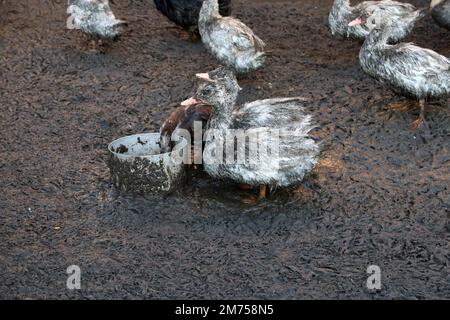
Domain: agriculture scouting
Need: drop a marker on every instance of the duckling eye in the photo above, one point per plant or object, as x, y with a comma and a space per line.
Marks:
207, 90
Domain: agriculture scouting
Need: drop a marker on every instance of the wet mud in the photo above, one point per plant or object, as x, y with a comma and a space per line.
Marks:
380, 195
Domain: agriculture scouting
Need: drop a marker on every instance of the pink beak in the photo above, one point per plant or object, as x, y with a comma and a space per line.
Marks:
205, 77
190, 102
356, 22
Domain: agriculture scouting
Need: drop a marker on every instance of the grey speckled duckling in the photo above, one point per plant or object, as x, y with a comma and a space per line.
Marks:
95, 18
229, 40
297, 154
404, 14
440, 11
408, 69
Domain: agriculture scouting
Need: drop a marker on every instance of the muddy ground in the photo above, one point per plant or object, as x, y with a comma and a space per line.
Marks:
380, 195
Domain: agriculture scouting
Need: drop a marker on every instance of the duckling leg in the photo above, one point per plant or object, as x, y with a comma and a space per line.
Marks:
184, 34
101, 46
194, 35
403, 106
93, 45
263, 192
252, 200
421, 120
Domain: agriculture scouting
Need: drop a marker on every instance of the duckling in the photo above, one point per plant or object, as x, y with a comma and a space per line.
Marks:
405, 14
183, 117
95, 18
408, 69
229, 40
440, 11
296, 155
184, 13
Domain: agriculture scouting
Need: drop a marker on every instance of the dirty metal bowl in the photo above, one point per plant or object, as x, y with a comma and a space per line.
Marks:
137, 166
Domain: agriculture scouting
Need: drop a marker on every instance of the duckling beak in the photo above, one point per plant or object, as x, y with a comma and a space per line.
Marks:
205, 77
190, 102
357, 22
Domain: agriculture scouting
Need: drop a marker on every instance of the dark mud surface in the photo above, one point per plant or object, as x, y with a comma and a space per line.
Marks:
380, 195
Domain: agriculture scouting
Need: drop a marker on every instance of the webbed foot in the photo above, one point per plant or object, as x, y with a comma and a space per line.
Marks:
263, 192
421, 120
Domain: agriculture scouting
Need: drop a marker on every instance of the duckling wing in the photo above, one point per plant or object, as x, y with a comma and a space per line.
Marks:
413, 60
272, 113
386, 7
240, 35
293, 152
413, 70
365, 5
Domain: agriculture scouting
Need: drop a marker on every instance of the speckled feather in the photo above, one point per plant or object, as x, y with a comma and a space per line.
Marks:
404, 14
95, 17
408, 69
232, 42
298, 152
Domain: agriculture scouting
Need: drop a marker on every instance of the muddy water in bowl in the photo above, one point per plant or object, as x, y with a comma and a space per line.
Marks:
137, 165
